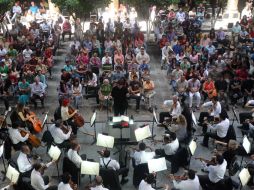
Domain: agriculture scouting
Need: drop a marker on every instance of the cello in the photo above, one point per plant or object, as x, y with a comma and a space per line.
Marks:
78, 119
37, 125
32, 139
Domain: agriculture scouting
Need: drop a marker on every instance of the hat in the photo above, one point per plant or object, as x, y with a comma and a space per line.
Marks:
65, 102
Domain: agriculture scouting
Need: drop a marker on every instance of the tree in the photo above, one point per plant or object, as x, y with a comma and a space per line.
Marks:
80, 7
5, 6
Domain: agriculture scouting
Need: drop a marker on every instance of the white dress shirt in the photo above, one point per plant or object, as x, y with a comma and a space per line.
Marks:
37, 181
142, 157
99, 187
222, 128
74, 157
216, 110
37, 89
145, 186
16, 137
177, 110
24, 163
63, 186
112, 164
16, 9
141, 58
216, 173
58, 135
187, 184
171, 148
65, 113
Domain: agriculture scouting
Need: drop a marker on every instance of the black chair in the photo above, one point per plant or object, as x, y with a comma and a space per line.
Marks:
231, 135
110, 178
47, 138
70, 167
92, 92
139, 173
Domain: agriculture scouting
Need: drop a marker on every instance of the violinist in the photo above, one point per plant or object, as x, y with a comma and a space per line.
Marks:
38, 181
146, 184
213, 111
25, 161
73, 154
66, 183
170, 146
174, 112
20, 114
16, 138
141, 156
67, 117
60, 135
98, 184
188, 181
215, 173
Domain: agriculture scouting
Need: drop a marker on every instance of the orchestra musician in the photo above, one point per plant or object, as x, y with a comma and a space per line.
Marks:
66, 183
140, 156
98, 184
247, 115
216, 173
73, 154
188, 181
179, 127
67, 117
146, 184
61, 134
107, 162
25, 162
221, 130
20, 114
171, 145
16, 138
213, 111
38, 181
174, 112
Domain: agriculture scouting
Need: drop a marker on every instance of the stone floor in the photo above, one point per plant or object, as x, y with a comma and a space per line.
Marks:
163, 93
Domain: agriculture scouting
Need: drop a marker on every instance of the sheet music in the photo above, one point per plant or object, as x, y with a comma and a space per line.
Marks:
143, 133
193, 147
1, 150
90, 168
244, 176
148, 156
105, 141
93, 118
45, 119
157, 165
12, 174
246, 144
155, 116
54, 152
194, 118
118, 119
125, 118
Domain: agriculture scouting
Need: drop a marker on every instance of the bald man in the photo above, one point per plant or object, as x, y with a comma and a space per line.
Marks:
98, 184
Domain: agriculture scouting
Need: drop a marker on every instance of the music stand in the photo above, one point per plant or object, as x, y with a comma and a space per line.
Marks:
12, 174
235, 116
246, 146
192, 147
55, 153
105, 141
157, 165
93, 124
244, 177
89, 168
142, 133
155, 120
45, 120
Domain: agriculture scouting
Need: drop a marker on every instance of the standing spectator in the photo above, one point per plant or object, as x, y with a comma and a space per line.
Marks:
66, 29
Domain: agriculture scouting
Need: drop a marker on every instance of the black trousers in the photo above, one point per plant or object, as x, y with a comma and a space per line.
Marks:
123, 172
66, 144
162, 116
66, 32
73, 125
245, 115
6, 102
46, 182
211, 135
35, 97
161, 153
206, 183
137, 98
203, 115
119, 110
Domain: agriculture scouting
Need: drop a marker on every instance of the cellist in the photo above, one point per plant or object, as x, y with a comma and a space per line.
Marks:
67, 117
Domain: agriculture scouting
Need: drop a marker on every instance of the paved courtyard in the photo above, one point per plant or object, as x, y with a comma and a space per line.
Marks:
163, 93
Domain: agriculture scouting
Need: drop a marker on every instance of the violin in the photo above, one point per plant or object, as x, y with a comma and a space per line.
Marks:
32, 139
78, 119
73, 185
37, 125
208, 162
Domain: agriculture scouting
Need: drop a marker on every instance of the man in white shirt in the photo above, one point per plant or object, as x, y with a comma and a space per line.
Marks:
16, 138
171, 145
142, 56
98, 184
65, 184
73, 155
107, 162
141, 156
221, 130
215, 175
38, 181
247, 115
37, 91
25, 162
174, 111
180, 15
146, 184
60, 138
213, 111
3, 51
27, 53
191, 183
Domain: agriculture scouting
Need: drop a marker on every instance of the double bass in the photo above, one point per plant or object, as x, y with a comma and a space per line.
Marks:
32, 139
78, 119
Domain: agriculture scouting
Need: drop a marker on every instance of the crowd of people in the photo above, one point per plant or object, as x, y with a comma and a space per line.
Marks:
208, 72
